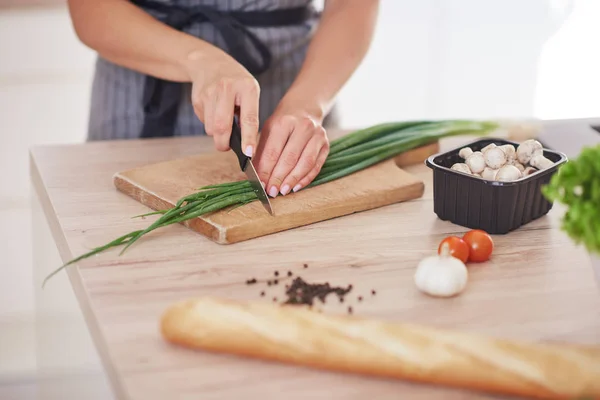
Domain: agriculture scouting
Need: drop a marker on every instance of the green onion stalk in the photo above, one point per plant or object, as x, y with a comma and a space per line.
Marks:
356, 151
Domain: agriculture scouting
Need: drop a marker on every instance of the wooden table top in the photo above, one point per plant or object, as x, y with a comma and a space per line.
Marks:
537, 286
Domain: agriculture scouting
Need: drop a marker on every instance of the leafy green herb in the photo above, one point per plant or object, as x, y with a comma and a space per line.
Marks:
577, 185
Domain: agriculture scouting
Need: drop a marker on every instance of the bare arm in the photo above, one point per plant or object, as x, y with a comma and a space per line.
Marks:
337, 49
294, 144
126, 35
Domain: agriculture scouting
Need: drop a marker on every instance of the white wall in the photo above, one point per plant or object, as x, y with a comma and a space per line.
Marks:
479, 59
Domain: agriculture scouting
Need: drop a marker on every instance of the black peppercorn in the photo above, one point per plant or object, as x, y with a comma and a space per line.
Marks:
373, 292
289, 273
276, 273
359, 298
262, 293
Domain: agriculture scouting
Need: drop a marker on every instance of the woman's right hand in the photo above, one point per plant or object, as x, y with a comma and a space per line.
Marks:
218, 86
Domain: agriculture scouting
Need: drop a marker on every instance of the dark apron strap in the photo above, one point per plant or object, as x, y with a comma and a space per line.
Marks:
161, 97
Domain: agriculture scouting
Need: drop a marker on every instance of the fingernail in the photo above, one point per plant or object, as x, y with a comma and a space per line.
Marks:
262, 184
273, 191
248, 151
296, 188
285, 189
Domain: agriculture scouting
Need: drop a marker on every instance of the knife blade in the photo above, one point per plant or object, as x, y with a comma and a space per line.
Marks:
235, 142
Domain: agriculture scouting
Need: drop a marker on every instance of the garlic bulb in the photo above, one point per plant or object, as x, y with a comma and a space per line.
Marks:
441, 275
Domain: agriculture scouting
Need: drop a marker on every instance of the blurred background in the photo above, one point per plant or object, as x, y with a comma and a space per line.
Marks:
533, 59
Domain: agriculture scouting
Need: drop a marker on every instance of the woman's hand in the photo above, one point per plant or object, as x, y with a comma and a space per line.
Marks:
218, 86
292, 150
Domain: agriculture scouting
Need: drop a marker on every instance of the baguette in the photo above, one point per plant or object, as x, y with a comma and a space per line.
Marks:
295, 334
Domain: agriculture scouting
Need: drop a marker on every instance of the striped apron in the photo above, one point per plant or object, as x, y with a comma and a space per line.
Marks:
119, 94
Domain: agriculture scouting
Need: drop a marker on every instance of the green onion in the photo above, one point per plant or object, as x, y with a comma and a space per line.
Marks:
348, 154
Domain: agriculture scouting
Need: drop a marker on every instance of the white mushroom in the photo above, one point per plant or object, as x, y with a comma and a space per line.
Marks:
529, 149
508, 173
489, 146
461, 167
465, 152
540, 162
494, 158
489, 174
476, 162
517, 164
529, 170
509, 150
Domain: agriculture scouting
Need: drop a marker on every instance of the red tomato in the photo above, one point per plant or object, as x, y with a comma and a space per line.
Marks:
480, 245
458, 248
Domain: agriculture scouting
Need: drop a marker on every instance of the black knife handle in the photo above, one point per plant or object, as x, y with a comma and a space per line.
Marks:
235, 142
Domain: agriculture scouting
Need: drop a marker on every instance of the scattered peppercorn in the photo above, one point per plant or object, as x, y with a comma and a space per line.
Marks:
301, 292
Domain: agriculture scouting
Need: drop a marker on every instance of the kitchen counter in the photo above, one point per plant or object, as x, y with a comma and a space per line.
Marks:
537, 286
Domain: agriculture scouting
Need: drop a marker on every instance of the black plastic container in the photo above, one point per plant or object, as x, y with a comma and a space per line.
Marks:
495, 207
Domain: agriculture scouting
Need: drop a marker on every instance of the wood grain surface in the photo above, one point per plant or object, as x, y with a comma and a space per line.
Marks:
537, 286
159, 186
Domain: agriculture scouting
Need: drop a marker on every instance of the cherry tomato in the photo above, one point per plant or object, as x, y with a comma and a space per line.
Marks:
458, 248
480, 245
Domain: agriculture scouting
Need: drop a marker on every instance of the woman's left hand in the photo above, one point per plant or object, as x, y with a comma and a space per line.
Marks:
292, 149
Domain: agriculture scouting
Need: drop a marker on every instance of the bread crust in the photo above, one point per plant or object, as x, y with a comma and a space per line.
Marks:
297, 335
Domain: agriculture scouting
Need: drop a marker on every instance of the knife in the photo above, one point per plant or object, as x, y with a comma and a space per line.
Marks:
235, 142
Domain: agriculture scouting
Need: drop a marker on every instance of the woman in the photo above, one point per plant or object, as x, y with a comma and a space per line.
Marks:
183, 67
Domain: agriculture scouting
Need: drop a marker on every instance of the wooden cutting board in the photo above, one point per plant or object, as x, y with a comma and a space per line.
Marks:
159, 186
